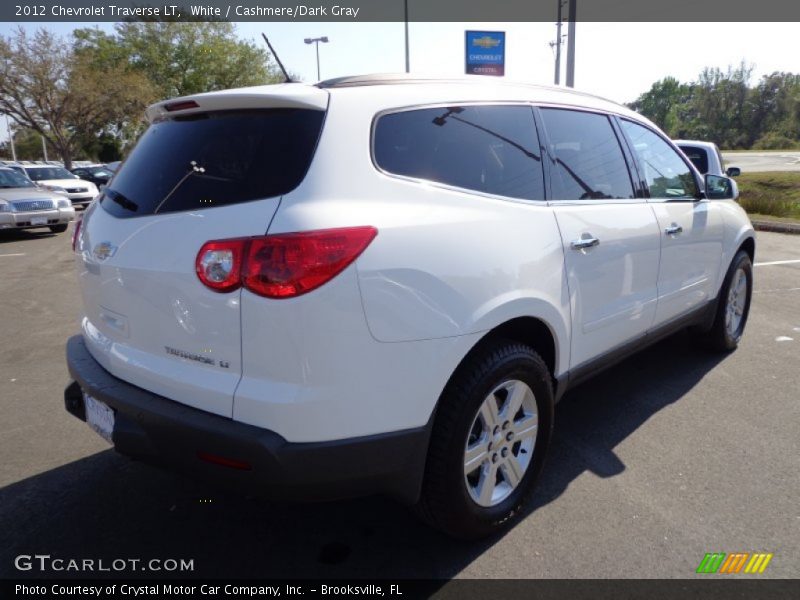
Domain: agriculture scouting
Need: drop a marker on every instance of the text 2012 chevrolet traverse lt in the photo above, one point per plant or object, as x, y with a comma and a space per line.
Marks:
380, 284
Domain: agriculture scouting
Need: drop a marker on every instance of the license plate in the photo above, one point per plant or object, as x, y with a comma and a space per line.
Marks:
99, 417
38, 220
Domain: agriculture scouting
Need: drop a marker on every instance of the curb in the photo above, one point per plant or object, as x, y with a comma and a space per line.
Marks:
776, 226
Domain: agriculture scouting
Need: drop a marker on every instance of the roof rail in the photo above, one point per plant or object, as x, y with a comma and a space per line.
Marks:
405, 78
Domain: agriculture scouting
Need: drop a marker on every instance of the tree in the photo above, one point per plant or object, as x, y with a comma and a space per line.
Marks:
658, 104
720, 103
180, 58
774, 111
721, 106
46, 87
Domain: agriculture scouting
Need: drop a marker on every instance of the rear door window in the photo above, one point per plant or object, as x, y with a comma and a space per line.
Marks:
488, 149
214, 159
588, 160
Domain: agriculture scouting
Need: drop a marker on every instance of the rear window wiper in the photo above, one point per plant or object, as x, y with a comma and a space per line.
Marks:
194, 169
123, 201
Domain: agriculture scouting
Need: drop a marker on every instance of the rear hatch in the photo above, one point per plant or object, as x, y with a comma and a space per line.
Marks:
209, 167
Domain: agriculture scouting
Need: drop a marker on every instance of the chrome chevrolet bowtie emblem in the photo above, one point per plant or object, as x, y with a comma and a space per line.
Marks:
104, 250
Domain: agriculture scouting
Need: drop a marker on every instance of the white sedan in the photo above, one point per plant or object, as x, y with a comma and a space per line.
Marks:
59, 180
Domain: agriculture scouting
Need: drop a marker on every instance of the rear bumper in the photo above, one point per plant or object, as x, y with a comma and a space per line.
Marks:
80, 200
162, 432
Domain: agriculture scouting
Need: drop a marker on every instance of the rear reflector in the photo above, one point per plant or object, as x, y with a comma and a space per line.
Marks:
182, 105
225, 462
76, 232
283, 265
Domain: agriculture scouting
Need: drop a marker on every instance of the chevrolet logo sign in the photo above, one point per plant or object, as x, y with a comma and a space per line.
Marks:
104, 250
486, 42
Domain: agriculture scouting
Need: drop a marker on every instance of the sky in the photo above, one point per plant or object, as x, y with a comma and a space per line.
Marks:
618, 61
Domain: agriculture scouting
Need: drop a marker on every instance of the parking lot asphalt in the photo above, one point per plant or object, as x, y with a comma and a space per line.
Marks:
759, 162
669, 455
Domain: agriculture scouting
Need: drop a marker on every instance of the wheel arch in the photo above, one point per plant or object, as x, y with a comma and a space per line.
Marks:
528, 330
531, 331
749, 246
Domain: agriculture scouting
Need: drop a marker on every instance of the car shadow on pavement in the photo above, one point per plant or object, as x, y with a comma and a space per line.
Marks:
18, 235
106, 506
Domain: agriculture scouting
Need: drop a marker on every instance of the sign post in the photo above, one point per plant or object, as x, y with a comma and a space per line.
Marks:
486, 53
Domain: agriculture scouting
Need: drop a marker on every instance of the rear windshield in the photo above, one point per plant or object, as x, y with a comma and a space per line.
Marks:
698, 156
214, 159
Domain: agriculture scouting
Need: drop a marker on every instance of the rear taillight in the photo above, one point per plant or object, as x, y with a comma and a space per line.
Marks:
219, 264
76, 233
284, 265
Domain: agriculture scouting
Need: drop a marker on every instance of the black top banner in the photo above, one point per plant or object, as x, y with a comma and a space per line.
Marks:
710, 11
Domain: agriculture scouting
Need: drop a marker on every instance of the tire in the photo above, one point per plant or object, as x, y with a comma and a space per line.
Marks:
458, 503
58, 228
733, 306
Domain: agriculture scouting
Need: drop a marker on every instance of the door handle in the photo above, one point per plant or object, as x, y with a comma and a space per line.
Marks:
673, 229
586, 241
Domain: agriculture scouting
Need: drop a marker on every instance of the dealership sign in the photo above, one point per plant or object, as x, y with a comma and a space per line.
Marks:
486, 52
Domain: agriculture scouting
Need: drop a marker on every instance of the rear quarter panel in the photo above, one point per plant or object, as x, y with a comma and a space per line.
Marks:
445, 262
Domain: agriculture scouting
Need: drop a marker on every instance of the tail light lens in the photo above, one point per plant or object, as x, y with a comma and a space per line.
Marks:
181, 105
76, 232
284, 265
219, 264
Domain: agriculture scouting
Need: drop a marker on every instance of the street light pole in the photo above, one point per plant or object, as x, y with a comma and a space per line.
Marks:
11, 140
407, 61
316, 41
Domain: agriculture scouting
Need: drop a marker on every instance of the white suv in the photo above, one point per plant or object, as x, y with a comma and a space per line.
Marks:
382, 285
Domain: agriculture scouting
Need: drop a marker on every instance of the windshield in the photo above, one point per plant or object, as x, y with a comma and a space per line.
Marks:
12, 179
214, 159
99, 172
44, 173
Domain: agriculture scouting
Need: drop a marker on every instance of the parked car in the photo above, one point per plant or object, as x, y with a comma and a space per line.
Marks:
383, 285
707, 157
25, 206
58, 179
97, 174
15, 166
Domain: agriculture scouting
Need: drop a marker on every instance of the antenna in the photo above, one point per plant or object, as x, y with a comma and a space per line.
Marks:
278, 60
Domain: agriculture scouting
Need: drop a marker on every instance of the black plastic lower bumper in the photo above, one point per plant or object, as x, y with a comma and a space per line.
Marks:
163, 432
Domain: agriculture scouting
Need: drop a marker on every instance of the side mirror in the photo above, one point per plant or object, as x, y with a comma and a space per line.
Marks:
733, 171
721, 188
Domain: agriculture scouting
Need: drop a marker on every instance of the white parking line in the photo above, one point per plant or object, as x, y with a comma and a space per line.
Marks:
2, 255
776, 262
778, 290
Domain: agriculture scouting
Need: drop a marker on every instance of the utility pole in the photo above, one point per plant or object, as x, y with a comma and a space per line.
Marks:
557, 78
407, 61
44, 148
571, 43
